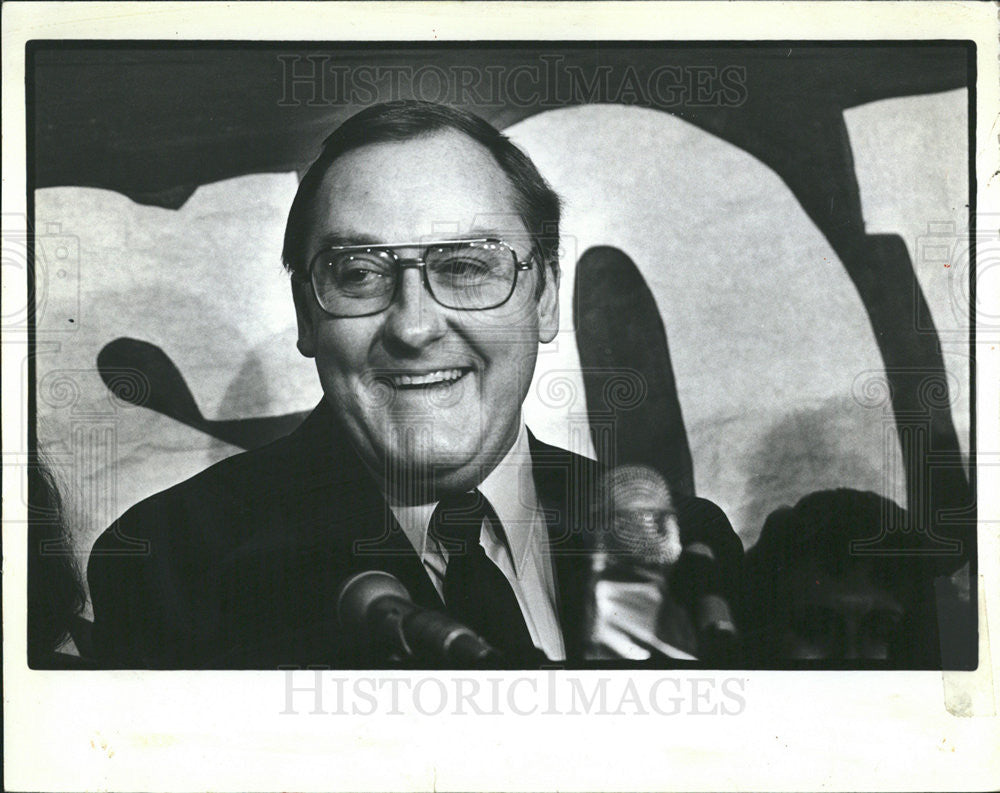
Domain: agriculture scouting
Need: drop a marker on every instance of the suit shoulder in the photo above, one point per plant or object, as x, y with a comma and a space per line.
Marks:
542, 451
226, 493
241, 471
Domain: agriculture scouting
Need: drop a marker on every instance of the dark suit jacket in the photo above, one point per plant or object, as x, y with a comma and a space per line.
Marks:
238, 566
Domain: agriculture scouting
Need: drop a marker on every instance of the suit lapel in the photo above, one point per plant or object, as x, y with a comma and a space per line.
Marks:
565, 483
381, 544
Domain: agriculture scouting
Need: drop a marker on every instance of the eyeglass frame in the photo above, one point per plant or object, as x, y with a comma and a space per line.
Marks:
402, 263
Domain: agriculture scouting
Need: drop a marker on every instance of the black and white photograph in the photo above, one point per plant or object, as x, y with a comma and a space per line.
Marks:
364, 370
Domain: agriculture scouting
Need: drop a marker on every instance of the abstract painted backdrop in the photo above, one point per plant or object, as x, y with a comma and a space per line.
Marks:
778, 363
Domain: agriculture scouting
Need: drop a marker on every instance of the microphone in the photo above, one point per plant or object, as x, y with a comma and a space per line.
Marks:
656, 590
697, 583
376, 604
637, 540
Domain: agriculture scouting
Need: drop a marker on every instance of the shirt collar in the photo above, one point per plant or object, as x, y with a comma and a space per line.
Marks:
510, 489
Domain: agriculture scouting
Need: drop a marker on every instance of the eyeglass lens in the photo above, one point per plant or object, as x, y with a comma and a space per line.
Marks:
467, 276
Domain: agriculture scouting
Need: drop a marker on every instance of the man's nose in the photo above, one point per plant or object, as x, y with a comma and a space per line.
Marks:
414, 318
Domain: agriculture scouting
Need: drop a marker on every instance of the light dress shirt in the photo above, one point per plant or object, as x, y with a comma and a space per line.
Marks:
519, 548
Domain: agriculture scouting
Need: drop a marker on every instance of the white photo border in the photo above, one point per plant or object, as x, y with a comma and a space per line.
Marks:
131, 730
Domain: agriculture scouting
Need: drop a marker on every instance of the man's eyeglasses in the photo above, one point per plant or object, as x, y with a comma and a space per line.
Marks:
467, 275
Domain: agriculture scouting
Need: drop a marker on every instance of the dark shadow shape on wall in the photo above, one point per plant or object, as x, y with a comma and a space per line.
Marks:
635, 415
142, 374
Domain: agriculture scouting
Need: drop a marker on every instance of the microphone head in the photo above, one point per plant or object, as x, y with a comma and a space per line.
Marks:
640, 523
356, 595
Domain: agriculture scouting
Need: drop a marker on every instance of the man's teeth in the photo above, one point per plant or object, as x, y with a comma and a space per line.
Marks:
430, 378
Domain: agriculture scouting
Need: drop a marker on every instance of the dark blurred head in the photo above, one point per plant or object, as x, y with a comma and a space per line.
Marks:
536, 203
813, 593
55, 591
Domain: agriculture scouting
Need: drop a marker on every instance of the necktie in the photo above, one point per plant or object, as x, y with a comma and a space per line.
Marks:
476, 592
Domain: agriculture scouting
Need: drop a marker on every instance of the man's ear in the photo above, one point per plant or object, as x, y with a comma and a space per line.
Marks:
548, 305
303, 298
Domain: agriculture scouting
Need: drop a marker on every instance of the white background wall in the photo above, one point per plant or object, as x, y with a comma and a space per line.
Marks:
767, 334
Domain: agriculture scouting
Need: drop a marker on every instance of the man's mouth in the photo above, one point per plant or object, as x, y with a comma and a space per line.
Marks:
435, 378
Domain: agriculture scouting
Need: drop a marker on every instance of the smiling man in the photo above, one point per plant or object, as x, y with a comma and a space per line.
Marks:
422, 246
425, 342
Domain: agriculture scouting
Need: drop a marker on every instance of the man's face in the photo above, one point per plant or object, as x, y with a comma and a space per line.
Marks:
426, 393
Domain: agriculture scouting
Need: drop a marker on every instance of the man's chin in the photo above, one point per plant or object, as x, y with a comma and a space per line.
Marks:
435, 460
437, 467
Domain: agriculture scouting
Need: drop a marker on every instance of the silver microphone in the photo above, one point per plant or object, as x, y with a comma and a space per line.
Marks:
376, 605
637, 541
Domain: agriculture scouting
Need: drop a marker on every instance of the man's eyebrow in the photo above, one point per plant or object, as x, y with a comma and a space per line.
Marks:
334, 239
481, 232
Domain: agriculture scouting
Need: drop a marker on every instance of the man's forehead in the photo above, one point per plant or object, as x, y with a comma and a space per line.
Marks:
429, 185
440, 159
